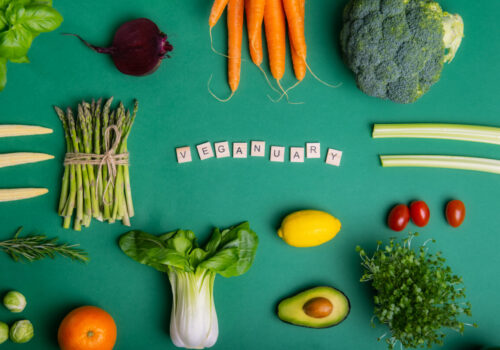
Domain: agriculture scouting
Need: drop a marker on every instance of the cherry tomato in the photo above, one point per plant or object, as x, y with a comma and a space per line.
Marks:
455, 212
398, 217
419, 213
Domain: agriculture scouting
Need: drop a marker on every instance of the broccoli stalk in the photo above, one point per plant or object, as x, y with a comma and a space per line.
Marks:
453, 27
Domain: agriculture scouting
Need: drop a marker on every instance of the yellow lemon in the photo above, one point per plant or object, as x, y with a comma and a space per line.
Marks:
308, 228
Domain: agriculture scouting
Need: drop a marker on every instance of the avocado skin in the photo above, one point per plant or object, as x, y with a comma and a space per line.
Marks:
306, 325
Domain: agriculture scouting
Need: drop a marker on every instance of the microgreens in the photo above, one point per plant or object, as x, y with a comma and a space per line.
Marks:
417, 296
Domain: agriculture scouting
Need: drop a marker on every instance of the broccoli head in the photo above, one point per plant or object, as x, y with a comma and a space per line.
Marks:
397, 48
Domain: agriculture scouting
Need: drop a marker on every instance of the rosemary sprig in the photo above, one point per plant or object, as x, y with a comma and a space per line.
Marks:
36, 247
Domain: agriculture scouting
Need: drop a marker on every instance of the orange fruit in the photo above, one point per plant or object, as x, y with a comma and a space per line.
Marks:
87, 328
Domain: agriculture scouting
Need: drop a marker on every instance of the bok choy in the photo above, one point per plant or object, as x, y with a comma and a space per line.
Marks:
191, 271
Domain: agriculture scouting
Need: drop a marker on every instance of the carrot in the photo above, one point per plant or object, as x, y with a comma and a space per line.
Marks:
299, 64
275, 26
295, 18
217, 9
255, 15
235, 13
294, 10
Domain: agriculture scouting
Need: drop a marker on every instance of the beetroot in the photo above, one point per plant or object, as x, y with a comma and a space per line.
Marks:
138, 47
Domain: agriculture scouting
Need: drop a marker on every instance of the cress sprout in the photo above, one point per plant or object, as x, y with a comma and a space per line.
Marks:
21, 331
14, 301
4, 332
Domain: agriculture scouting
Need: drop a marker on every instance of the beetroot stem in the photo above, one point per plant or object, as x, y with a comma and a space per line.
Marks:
106, 50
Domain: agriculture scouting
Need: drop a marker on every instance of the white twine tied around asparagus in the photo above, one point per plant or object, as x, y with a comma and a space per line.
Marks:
109, 158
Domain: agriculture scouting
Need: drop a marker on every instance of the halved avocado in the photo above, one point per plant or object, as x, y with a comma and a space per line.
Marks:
319, 307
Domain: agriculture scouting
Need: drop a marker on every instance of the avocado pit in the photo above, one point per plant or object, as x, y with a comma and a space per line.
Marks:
318, 307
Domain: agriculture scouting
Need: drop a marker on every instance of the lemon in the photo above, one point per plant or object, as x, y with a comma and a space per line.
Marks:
308, 228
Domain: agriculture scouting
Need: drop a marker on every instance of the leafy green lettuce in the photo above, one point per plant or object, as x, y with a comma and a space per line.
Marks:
20, 22
191, 270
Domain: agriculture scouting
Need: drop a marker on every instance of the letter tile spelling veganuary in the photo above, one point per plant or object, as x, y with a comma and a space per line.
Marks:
222, 149
277, 154
258, 149
313, 150
297, 154
205, 150
333, 157
183, 154
240, 150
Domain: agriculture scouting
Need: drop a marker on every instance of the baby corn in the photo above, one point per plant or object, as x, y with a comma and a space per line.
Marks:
23, 130
11, 159
14, 194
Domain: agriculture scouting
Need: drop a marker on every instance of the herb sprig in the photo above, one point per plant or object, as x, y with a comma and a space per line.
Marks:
36, 247
21, 21
417, 296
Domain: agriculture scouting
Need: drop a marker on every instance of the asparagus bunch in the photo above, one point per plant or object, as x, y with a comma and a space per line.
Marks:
89, 190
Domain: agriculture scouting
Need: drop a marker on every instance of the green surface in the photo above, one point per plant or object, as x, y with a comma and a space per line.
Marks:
176, 110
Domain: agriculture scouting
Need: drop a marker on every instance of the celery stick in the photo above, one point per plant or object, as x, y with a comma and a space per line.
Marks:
449, 162
459, 132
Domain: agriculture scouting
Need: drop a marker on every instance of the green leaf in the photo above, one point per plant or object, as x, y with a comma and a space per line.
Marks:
3, 20
229, 253
196, 256
221, 261
150, 250
183, 241
15, 43
3, 73
38, 18
23, 59
4, 4
214, 242
235, 253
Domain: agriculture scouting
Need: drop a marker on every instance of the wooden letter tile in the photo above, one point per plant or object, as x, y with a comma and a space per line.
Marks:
222, 149
183, 154
258, 149
277, 154
205, 150
240, 149
333, 157
297, 154
313, 150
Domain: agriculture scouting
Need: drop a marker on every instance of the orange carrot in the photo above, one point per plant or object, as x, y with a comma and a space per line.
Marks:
299, 64
217, 9
255, 15
296, 26
274, 21
235, 13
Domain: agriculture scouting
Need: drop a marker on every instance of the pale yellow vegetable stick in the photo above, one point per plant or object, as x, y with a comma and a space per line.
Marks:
23, 130
14, 194
11, 159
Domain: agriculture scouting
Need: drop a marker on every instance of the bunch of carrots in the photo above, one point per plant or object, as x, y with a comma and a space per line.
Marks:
275, 14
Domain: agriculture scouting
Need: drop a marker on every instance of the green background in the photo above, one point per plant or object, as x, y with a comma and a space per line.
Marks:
177, 110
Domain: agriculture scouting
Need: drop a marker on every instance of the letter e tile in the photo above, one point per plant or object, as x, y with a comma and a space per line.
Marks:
205, 150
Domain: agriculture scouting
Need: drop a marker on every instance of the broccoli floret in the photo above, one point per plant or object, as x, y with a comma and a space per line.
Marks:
397, 48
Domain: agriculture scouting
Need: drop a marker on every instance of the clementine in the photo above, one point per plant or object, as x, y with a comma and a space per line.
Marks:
87, 328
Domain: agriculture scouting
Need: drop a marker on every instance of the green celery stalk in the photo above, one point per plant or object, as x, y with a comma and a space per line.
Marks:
461, 132
448, 162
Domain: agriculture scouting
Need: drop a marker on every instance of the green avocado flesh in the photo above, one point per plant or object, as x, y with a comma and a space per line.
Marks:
292, 309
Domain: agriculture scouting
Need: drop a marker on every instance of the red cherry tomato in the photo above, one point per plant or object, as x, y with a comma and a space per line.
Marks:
419, 213
455, 212
398, 217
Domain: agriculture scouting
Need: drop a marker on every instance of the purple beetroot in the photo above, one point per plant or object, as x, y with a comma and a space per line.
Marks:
138, 47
